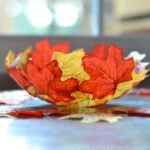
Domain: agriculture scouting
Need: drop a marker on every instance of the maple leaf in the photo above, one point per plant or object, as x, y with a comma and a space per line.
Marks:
71, 65
49, 82
106, 73
108, 113
132, 111
86, 99
43, 52
93, 118
88, 115
16, 67
141, 91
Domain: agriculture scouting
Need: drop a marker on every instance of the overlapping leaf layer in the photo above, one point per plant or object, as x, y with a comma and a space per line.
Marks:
77, 78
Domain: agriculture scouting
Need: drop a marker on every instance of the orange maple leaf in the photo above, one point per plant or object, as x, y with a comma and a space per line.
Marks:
43, 51
107, 68
46, 81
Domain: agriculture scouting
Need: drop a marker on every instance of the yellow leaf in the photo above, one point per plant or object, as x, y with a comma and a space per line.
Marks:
20, 61
23, 57
31, 90
9, 59
71, 65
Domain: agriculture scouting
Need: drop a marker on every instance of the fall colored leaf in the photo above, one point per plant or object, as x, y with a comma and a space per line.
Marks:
49, 82
93, 118
132, 111
142, 92
71, 65
27, 113
87, 100
106, 73
108, 113
9, 59
16, 67
43, 52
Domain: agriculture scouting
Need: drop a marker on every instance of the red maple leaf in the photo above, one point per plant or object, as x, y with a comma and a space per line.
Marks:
43, 51
46, 80
19, 77
107, 68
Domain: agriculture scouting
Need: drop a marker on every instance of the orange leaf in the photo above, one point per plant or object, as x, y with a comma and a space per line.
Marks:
47, 81
106, 71
43, 52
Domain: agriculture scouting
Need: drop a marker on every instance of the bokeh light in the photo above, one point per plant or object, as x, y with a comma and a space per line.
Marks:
67, 13
38, 14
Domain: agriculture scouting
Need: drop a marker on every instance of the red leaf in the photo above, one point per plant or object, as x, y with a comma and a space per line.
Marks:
107, 68
19, 77
43, 52
142, 91
108, 110
36, 113
47, 81
133, 111
99, 51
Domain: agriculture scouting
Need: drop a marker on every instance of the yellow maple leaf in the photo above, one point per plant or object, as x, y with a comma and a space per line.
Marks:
23, 57
9, 59
20, 61
71, 65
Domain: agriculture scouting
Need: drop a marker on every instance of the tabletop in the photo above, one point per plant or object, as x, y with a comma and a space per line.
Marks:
51, 133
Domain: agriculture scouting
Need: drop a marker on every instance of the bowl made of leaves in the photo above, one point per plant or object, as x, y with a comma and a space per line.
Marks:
78, 78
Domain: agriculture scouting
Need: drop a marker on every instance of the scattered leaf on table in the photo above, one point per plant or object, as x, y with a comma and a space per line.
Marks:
142, 91
132, 111
27, 113
92, 118
109, 113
